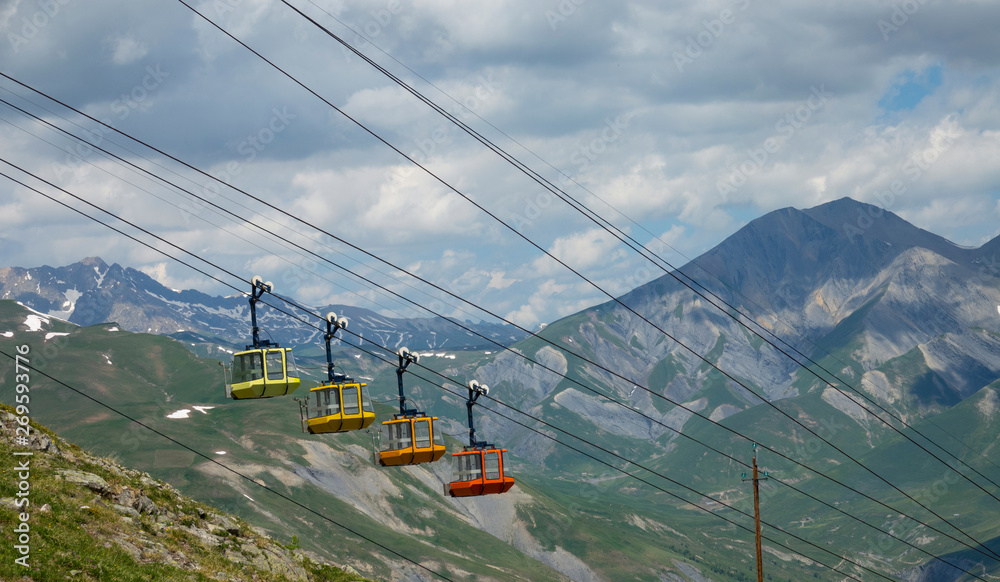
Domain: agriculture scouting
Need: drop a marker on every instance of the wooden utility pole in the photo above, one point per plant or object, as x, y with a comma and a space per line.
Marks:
756, 511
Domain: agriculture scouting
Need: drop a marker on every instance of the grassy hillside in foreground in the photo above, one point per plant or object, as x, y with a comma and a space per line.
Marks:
90, 518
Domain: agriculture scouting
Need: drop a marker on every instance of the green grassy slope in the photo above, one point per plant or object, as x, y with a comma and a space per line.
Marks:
74, 531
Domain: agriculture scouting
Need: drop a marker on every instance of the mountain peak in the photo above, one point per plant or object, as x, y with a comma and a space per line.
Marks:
854, 220
94, 262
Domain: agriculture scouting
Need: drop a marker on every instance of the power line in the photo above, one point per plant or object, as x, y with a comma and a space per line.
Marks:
612, 400
202, 199
237, 219
804, 427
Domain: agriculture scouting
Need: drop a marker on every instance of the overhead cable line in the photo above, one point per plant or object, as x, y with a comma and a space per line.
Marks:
581, 276
632, 243
237, 219
382, 546
548, 341
387, 350
202, 199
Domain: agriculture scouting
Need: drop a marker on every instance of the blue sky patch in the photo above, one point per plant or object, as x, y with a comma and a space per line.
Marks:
910, 88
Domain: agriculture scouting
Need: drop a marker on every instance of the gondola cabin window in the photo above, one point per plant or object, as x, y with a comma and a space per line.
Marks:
366, 402
275, 367
492, 465
351, 399
397, 436
247, 367
469, 467
422, 433
327, 403
507, 472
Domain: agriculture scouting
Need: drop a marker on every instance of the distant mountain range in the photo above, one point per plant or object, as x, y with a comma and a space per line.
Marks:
91, 291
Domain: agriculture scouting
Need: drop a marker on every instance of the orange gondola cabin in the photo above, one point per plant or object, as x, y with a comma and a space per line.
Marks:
411, 437
481, 468
480, 471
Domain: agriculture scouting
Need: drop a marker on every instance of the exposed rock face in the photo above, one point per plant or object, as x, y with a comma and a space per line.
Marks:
813, 278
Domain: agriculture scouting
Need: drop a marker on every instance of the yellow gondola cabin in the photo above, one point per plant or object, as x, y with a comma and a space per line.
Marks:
263, 373
264, 369
340, 404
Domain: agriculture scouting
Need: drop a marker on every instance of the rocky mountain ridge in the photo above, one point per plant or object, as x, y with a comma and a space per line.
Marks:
91, 291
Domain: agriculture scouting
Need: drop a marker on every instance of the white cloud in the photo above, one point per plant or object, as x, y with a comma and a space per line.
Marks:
580, 251
127, 49
498, 281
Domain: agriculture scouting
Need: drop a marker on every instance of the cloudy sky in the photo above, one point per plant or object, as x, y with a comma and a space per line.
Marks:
678, 122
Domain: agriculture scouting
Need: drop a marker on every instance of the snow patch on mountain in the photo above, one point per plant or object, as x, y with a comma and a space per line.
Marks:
100, 276
69, 305
34, 322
